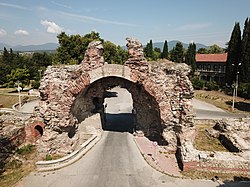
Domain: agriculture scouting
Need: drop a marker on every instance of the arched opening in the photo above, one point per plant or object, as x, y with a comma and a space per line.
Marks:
38, 130
143, 116
118, 106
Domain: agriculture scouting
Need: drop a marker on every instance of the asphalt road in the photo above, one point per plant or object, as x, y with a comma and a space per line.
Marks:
114, 162
205, 110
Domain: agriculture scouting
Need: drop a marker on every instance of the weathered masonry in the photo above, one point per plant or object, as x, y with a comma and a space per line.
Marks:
161, 91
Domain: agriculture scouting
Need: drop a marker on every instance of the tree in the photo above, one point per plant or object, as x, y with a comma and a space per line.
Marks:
215, 49
202, 51
21, 74
156, 53
165, 50
245, 58
177, 54
72, 47
148, 50
234, 53
121, 55
190, 57
114, 54
109, 52
41, 59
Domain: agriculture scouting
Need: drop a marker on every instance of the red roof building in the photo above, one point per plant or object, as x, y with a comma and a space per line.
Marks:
211, 67
211, 58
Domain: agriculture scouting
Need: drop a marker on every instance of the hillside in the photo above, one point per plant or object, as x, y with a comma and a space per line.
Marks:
42, 47
53, 46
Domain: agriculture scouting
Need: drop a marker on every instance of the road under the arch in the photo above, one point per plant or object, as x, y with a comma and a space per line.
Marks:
118, 111
114, 161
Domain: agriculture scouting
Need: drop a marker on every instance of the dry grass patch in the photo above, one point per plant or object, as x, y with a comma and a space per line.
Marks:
15, 170
8, 100
223, 101
204, 142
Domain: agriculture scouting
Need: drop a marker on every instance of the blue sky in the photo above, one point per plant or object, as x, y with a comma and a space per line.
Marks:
209, 22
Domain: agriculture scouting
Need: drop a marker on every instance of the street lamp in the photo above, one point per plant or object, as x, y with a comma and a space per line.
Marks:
18, 83
235, 92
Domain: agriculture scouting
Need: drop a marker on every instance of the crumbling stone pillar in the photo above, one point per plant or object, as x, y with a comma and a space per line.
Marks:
161, 94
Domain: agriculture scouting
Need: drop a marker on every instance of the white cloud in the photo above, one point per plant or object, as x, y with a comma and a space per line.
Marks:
2, 32
191, 27
52, 27
21, 32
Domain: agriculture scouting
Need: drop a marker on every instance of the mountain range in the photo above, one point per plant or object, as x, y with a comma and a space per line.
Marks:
172, 44
53, 46
42, 47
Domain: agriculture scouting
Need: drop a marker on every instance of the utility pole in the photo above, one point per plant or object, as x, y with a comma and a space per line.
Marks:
18, 83
235, 92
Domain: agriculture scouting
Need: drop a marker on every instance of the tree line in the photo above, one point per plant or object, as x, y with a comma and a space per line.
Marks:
72, 48
24, 68
238, 61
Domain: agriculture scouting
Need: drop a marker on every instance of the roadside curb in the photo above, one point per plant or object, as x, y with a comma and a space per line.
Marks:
69, 159
154, 165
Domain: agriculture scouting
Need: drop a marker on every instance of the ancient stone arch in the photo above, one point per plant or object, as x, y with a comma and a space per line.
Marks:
161, 93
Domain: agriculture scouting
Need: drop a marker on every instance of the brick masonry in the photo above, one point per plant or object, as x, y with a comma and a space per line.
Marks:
161, 93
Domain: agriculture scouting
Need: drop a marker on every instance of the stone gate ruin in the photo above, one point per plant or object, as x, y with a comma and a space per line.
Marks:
161, 91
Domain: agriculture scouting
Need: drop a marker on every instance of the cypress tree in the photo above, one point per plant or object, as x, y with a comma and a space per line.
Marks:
190, 57
148, 50
165, 50
245, 60
178, 53
234, 53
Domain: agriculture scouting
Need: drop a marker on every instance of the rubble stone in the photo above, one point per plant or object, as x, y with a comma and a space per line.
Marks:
234, 135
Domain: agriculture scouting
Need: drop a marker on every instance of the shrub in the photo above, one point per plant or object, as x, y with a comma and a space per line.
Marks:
27, 149
35, 84
244, 90
212, 86
48, 157
197, 83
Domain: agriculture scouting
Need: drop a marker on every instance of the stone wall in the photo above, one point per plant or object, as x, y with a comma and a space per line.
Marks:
161, 94
237, 131
12, 135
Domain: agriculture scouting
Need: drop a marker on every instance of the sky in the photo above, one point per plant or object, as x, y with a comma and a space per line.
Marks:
32, 22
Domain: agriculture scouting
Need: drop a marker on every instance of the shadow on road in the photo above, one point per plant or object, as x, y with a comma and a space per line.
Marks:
109, 94
242, 106
237, 182
121, 122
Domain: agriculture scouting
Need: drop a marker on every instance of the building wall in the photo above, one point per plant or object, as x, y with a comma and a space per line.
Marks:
212, 71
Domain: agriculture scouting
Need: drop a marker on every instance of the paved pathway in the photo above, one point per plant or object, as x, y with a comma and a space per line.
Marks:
29, 106
115, 161
205, 110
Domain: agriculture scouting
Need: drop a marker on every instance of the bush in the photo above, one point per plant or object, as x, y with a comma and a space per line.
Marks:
35, 84
197, 83
48, 157
27, 149
212, 86
244, 90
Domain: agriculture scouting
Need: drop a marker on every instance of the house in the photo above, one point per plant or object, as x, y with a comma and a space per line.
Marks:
211, 67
